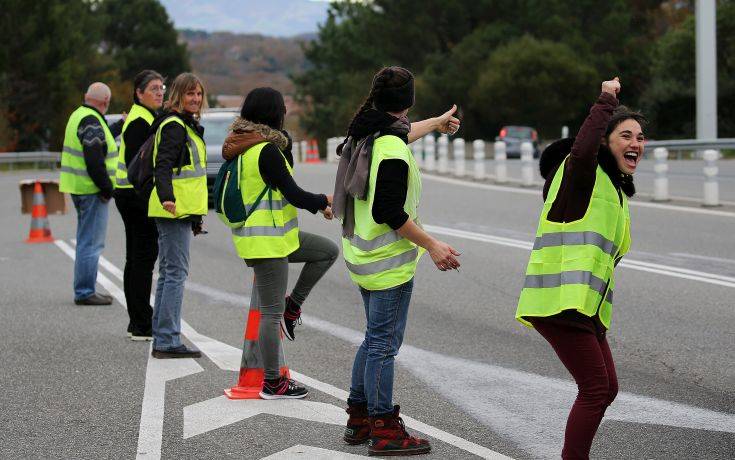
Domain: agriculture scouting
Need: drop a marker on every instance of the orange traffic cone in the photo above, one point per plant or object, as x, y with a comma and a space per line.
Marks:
312, 153
250, 380
40, 229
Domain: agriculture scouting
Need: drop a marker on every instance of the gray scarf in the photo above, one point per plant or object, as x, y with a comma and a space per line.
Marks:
353, 173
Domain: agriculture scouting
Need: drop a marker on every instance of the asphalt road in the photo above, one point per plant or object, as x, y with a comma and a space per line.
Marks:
469, 376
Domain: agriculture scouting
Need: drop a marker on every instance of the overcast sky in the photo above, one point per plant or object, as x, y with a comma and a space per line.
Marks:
280, 18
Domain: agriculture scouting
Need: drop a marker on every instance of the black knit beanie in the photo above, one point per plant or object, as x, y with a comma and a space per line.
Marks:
395, 99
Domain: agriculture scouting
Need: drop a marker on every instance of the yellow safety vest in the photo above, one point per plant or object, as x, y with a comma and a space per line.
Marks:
572, 263
377, 257
74, 177
190, 184
121, 173
272, 228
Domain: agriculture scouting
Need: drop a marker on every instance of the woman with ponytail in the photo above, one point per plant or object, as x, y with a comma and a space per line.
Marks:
376, 196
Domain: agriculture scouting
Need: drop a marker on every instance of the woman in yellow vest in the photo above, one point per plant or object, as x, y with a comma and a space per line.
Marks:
377, 192
141, 235
177, 203
270, 238
584, 231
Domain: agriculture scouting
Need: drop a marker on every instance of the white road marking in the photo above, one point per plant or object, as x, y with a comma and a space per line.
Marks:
667, 270
227, 357
214, 413
525, 191
311, 453
158, 372
501, 398
708, 258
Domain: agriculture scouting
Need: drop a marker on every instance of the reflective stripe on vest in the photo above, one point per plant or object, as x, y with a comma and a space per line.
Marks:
272, 227
572, 263
74, 177
190, 183
121, 173
377, 257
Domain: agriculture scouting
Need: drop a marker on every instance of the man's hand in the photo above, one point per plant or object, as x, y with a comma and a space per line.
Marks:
169, 206
611, 86
447, 123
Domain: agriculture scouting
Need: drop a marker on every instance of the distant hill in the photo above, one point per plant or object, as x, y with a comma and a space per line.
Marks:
233, 64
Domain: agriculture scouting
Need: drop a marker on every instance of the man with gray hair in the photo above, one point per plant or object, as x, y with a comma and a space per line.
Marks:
88, 162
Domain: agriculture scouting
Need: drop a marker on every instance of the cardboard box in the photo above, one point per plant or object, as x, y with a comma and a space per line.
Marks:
55, 200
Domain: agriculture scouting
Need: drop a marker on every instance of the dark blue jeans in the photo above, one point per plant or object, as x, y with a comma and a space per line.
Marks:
372, 373
91, 231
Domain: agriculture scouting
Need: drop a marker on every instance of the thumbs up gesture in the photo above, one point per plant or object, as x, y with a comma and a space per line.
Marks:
611, 86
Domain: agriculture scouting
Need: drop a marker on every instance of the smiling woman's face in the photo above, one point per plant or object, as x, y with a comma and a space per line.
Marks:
626, 144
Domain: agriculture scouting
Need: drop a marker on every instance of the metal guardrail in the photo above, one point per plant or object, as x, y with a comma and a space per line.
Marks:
37, 158
694, 144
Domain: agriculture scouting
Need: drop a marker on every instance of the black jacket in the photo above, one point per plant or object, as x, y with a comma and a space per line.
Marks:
172, 152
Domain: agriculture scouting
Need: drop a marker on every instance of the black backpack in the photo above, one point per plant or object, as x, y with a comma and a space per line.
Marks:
228, 198
140, 169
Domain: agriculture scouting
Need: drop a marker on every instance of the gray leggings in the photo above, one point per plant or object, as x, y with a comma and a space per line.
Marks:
271, 280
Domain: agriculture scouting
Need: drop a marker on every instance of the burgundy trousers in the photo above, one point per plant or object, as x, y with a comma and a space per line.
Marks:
587, 357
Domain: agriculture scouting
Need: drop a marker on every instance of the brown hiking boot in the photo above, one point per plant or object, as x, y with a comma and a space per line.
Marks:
358, 425
388, 437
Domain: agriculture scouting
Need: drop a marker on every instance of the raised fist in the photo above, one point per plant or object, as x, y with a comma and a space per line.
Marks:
611, 86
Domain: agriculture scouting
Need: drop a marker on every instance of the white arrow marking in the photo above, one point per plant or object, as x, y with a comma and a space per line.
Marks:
158, 372
218, 412
311, 453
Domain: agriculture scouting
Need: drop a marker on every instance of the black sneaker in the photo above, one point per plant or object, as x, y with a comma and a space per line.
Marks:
130, 329
282, 388
95, 299
141, 336
181, 351
291, 317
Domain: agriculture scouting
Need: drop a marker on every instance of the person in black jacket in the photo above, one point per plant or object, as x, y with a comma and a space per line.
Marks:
261, 120
141, 235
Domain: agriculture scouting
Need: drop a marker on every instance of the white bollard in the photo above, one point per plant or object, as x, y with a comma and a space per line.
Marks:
564, 132
429, 153
302, 150
478, 153
711, 188
442, 166
417, 151
661, 181
333, 149
526, 164
458, 147
296, 151
501, 168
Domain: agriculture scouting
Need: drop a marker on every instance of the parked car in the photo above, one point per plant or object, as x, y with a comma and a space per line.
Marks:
513, 136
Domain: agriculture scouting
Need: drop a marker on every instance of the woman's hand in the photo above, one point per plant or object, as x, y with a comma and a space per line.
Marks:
443, 256
169, 206
327, 212
447, 123
611, 86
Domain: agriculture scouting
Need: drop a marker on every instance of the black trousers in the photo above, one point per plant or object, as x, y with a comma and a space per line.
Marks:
141, 252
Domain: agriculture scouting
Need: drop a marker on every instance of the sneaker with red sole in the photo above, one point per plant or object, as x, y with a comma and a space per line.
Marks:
388, 436
291, 317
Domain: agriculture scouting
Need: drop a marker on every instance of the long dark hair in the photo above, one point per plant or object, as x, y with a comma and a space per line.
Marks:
141, 82
264, 106
387, 77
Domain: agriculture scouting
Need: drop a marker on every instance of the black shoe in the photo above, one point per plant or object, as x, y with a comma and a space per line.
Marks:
141, 336
179, 352
282, 388
291, 317
130, 329
95, 299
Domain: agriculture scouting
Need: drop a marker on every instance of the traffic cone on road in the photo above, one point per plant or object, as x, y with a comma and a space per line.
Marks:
40, 229
250, 380
312, 153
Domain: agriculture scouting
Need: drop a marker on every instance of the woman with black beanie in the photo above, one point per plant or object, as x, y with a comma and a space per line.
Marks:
377, 191
141, 235
584, 231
